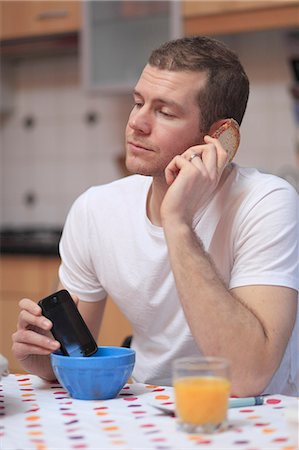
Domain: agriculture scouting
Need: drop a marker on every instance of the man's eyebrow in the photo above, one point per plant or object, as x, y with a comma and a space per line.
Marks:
135, 92
161, 100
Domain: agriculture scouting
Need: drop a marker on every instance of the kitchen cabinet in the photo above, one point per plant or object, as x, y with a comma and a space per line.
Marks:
118, 37
26, 19
220, 17
36, 277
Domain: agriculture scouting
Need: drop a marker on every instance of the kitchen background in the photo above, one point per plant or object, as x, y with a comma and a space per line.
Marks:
58, 139
61, 133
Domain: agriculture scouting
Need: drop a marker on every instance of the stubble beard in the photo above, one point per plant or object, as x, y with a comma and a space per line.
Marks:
143, 168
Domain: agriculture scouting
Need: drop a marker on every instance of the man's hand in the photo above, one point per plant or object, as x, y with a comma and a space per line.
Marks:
33, 340
192, 180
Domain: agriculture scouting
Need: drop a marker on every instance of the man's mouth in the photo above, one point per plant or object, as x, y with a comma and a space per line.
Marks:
139, 146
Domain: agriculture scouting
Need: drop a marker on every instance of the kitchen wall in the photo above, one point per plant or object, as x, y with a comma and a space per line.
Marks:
269, 132
59, 140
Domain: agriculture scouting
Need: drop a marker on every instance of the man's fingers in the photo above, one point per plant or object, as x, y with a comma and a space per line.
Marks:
206, 162
30, 306
173, 168
31, 315
222, 156
26, 342
75, 299
23, 351
28, 319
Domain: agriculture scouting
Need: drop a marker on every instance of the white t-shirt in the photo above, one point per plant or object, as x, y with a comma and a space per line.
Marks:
250, 229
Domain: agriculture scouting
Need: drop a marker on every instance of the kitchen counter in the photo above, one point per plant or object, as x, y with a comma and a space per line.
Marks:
30, 241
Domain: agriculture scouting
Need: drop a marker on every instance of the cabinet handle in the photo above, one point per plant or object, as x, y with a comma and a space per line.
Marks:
52, 15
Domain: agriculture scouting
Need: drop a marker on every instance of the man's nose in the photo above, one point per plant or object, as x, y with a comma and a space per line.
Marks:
139, 121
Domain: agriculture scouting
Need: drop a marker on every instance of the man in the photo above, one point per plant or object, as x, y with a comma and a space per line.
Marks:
200, 254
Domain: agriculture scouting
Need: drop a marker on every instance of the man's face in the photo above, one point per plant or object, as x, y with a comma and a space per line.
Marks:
164, 121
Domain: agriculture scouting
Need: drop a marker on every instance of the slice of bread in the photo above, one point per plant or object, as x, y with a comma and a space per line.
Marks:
229, 136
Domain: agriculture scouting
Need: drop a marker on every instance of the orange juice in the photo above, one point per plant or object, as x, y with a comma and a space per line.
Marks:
202, 399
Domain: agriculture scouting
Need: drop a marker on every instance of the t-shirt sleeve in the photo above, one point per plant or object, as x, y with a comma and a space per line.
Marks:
76, 271
266, 243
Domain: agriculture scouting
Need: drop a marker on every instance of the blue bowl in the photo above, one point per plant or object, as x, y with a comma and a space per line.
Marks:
97, 377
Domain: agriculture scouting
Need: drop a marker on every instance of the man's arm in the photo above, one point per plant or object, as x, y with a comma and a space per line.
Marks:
249, 325
92, 313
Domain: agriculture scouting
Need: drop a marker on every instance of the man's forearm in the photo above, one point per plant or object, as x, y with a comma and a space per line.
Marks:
221, 324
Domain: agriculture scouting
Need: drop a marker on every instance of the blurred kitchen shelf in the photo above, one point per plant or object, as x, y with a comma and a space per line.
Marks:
40, 46
30, 241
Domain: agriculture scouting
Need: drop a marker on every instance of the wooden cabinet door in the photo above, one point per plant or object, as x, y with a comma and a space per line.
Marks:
222, 16
32, 18
206, 7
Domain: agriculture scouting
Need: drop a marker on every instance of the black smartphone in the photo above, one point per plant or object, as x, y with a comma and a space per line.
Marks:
69, 327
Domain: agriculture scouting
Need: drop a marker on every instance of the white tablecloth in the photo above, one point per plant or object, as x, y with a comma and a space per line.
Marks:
36, 415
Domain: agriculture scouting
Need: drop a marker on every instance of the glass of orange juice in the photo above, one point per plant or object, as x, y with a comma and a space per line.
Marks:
202, 390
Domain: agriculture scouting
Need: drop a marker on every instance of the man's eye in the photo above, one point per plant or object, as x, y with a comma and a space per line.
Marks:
166, 113
138, 105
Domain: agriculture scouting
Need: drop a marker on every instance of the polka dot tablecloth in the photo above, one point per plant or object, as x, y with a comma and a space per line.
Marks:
36, 415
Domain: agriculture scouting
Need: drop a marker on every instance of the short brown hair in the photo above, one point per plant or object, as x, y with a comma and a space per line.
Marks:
226, 91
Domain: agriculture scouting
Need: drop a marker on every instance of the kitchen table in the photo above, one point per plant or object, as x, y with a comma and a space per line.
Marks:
36, 415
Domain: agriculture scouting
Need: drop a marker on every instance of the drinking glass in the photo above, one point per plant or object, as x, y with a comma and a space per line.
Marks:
202, 389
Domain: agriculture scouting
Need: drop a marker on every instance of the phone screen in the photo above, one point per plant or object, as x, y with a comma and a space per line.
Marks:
69, 327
